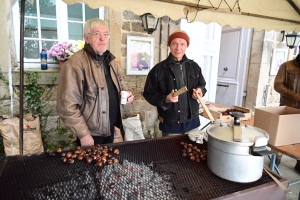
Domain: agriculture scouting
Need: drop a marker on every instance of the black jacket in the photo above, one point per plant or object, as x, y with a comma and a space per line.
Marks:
161, 81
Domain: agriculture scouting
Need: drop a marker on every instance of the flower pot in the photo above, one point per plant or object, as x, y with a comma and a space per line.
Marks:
61, 63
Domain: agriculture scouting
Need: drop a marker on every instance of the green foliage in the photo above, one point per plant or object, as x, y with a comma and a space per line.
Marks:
2, 77
33, 94
36, 99
62, 130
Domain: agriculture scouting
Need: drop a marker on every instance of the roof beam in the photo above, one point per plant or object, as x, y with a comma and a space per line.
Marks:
294, 6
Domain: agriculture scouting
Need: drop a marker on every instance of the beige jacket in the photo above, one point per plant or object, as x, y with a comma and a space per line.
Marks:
82, 95
287, 84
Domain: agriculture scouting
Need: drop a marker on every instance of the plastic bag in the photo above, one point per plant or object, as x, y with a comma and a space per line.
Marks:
133, 128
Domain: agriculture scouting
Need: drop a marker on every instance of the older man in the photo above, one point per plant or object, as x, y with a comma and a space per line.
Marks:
177, 114
287, 84
88, 94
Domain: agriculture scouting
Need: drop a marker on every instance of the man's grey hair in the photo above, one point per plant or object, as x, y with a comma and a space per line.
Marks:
92, 23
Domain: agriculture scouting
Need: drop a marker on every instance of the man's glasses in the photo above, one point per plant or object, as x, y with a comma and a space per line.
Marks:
98, 35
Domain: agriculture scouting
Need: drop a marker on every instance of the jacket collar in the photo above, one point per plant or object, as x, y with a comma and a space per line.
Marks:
171, 61
106, 56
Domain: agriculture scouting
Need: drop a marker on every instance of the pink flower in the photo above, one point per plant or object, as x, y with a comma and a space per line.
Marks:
62, 51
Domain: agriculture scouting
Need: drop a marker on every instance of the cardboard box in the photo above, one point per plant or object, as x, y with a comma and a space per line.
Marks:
217, 113
282, 123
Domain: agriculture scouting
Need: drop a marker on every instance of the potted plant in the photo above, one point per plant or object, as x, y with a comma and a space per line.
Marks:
62, 51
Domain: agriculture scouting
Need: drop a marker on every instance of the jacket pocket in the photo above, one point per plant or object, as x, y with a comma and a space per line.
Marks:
89, 110
166, 84
292, 80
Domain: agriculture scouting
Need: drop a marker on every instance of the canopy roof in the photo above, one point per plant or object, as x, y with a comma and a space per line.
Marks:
275, 15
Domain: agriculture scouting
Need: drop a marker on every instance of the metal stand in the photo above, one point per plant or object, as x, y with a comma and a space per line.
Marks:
274, 166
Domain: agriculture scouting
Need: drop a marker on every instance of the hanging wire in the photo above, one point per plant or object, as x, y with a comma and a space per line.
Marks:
186, 16
236, 3
226, 3
211, 3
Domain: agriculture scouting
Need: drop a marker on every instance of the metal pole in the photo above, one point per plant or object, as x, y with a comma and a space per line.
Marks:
21, 74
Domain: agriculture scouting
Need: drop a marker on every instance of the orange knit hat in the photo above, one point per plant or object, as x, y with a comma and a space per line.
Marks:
179, 34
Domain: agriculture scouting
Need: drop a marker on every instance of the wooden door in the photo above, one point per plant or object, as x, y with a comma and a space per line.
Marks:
233, 65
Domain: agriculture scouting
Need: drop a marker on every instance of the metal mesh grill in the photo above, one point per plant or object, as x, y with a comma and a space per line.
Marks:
157, 166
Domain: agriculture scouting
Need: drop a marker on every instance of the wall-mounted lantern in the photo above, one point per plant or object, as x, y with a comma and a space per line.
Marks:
149, 22
292, 39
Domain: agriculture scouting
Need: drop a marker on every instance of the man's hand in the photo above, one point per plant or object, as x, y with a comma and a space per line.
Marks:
87, 141
195, 92
170, 98
130, 97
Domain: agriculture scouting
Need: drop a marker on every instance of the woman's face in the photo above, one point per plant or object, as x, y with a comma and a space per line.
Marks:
178, 47
98, 38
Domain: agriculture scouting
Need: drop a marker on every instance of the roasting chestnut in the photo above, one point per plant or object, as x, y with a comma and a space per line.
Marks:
88, 160
80, 157
74, 156
192, 158
110, 161
69, 154
116, 151
64, 159
99, 163
78, 147
59, 150
70, 161
112, 185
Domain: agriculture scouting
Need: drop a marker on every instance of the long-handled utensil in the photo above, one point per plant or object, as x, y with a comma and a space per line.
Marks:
211, 118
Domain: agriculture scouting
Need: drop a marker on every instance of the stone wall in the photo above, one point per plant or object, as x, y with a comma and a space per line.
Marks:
259, 70
254, 69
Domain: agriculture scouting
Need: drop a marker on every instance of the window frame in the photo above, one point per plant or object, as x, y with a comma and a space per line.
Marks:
62, 30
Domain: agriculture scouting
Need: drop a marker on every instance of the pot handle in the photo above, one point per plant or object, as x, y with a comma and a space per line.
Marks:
260, 141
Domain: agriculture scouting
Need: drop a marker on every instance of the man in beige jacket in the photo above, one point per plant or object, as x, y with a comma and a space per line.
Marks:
89, 87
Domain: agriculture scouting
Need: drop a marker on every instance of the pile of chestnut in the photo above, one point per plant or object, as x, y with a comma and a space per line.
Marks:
100, 154
226, 112
193, 152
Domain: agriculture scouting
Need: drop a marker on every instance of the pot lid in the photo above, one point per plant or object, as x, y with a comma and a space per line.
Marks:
250, 134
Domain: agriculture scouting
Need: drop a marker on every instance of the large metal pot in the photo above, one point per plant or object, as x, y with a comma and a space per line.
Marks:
238, 160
